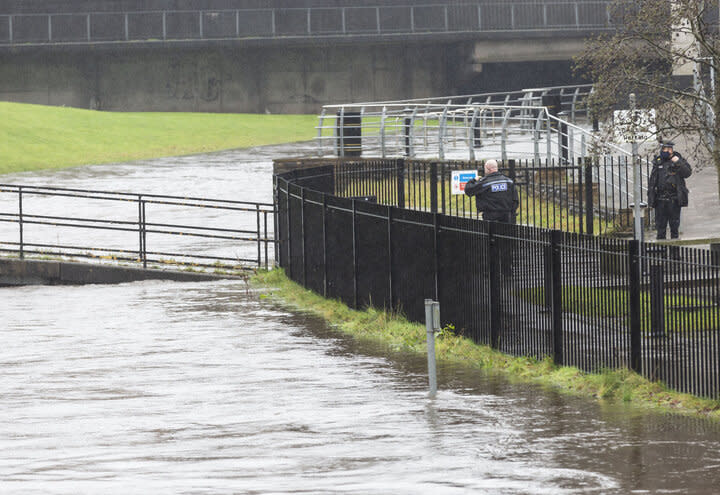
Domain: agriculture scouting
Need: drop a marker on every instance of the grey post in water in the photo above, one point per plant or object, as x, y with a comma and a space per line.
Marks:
432, 325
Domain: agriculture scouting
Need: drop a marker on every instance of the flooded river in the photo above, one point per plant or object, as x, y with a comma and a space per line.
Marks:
166, 387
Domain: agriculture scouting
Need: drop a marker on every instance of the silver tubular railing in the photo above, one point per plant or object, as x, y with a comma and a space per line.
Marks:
517, 128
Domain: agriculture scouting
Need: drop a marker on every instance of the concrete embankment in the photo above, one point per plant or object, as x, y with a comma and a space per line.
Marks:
15, 272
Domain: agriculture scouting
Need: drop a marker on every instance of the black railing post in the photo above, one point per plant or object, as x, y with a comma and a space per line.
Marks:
302, 236
634, 305
433, 189
324, 241
495, 299
588, 198
547, 279
259, 231
436, 255
144, 235
276, 224
579, 192
265, 236
555, 243
390, 256
141, 250
20, 222
407, 129
443, 170
354, 251
657, 301
400, 167
511, 169
289, 232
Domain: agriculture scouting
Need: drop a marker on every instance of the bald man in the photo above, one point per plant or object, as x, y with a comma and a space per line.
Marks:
496, 195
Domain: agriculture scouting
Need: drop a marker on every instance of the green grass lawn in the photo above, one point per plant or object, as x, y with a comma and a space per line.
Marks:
682, 313
34, 137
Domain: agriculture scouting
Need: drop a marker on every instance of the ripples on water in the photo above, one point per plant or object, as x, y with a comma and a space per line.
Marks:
163, 387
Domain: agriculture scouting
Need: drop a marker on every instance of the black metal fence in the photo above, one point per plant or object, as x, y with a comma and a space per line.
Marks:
586, 301
142, 228
592, 197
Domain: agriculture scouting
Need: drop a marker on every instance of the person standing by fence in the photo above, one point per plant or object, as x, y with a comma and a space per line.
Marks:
667, 192
495, 194
497, 198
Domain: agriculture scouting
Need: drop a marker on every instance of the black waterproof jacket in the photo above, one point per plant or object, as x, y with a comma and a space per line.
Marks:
667, 181
494, 193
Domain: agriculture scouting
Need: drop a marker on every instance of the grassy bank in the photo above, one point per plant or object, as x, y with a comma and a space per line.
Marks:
398, 335
37, 137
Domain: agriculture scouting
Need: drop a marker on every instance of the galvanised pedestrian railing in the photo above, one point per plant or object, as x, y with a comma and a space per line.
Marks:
586, 301
551, 125
149, 229
552, 17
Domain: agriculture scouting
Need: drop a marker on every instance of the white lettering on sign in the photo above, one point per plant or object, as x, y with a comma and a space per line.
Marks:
501, 186
460, 178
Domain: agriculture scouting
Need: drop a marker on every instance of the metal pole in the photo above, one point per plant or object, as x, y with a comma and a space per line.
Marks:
144, 234
382, 131
320, 132
20, 220
259, 247
637, 190
140, 230
441, 134
503, 136
432, 325
265, 215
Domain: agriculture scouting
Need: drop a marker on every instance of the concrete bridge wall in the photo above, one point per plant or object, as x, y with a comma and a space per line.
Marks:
224, 79
276, 79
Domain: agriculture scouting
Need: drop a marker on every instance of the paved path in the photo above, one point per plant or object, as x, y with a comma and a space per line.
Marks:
701, 219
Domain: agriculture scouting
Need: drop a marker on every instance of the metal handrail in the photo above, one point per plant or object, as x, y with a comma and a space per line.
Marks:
255, 213
478, 17
499, 129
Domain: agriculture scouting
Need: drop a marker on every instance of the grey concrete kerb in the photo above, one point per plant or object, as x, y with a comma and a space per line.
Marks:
17, 272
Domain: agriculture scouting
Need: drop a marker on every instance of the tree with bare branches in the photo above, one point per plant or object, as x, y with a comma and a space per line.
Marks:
667, 53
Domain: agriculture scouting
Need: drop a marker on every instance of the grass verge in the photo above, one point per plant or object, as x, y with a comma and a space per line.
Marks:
398, 335
38, 137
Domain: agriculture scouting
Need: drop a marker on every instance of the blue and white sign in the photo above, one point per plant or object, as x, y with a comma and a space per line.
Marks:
460, 178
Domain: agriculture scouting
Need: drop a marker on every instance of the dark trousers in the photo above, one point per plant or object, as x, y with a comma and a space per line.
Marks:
505, 246
667, 212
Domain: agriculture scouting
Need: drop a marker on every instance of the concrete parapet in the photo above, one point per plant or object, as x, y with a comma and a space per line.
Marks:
16, 272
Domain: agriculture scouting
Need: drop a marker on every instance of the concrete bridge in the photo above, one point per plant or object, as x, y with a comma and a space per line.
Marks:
224, 56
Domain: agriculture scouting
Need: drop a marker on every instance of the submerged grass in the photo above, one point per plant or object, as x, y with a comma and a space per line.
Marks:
398, 335
38, 137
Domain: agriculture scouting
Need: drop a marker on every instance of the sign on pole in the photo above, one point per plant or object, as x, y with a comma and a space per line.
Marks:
634, 126
460, 178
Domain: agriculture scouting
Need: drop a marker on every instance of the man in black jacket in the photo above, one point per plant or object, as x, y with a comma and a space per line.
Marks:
497, 199
667, 192
495, 194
